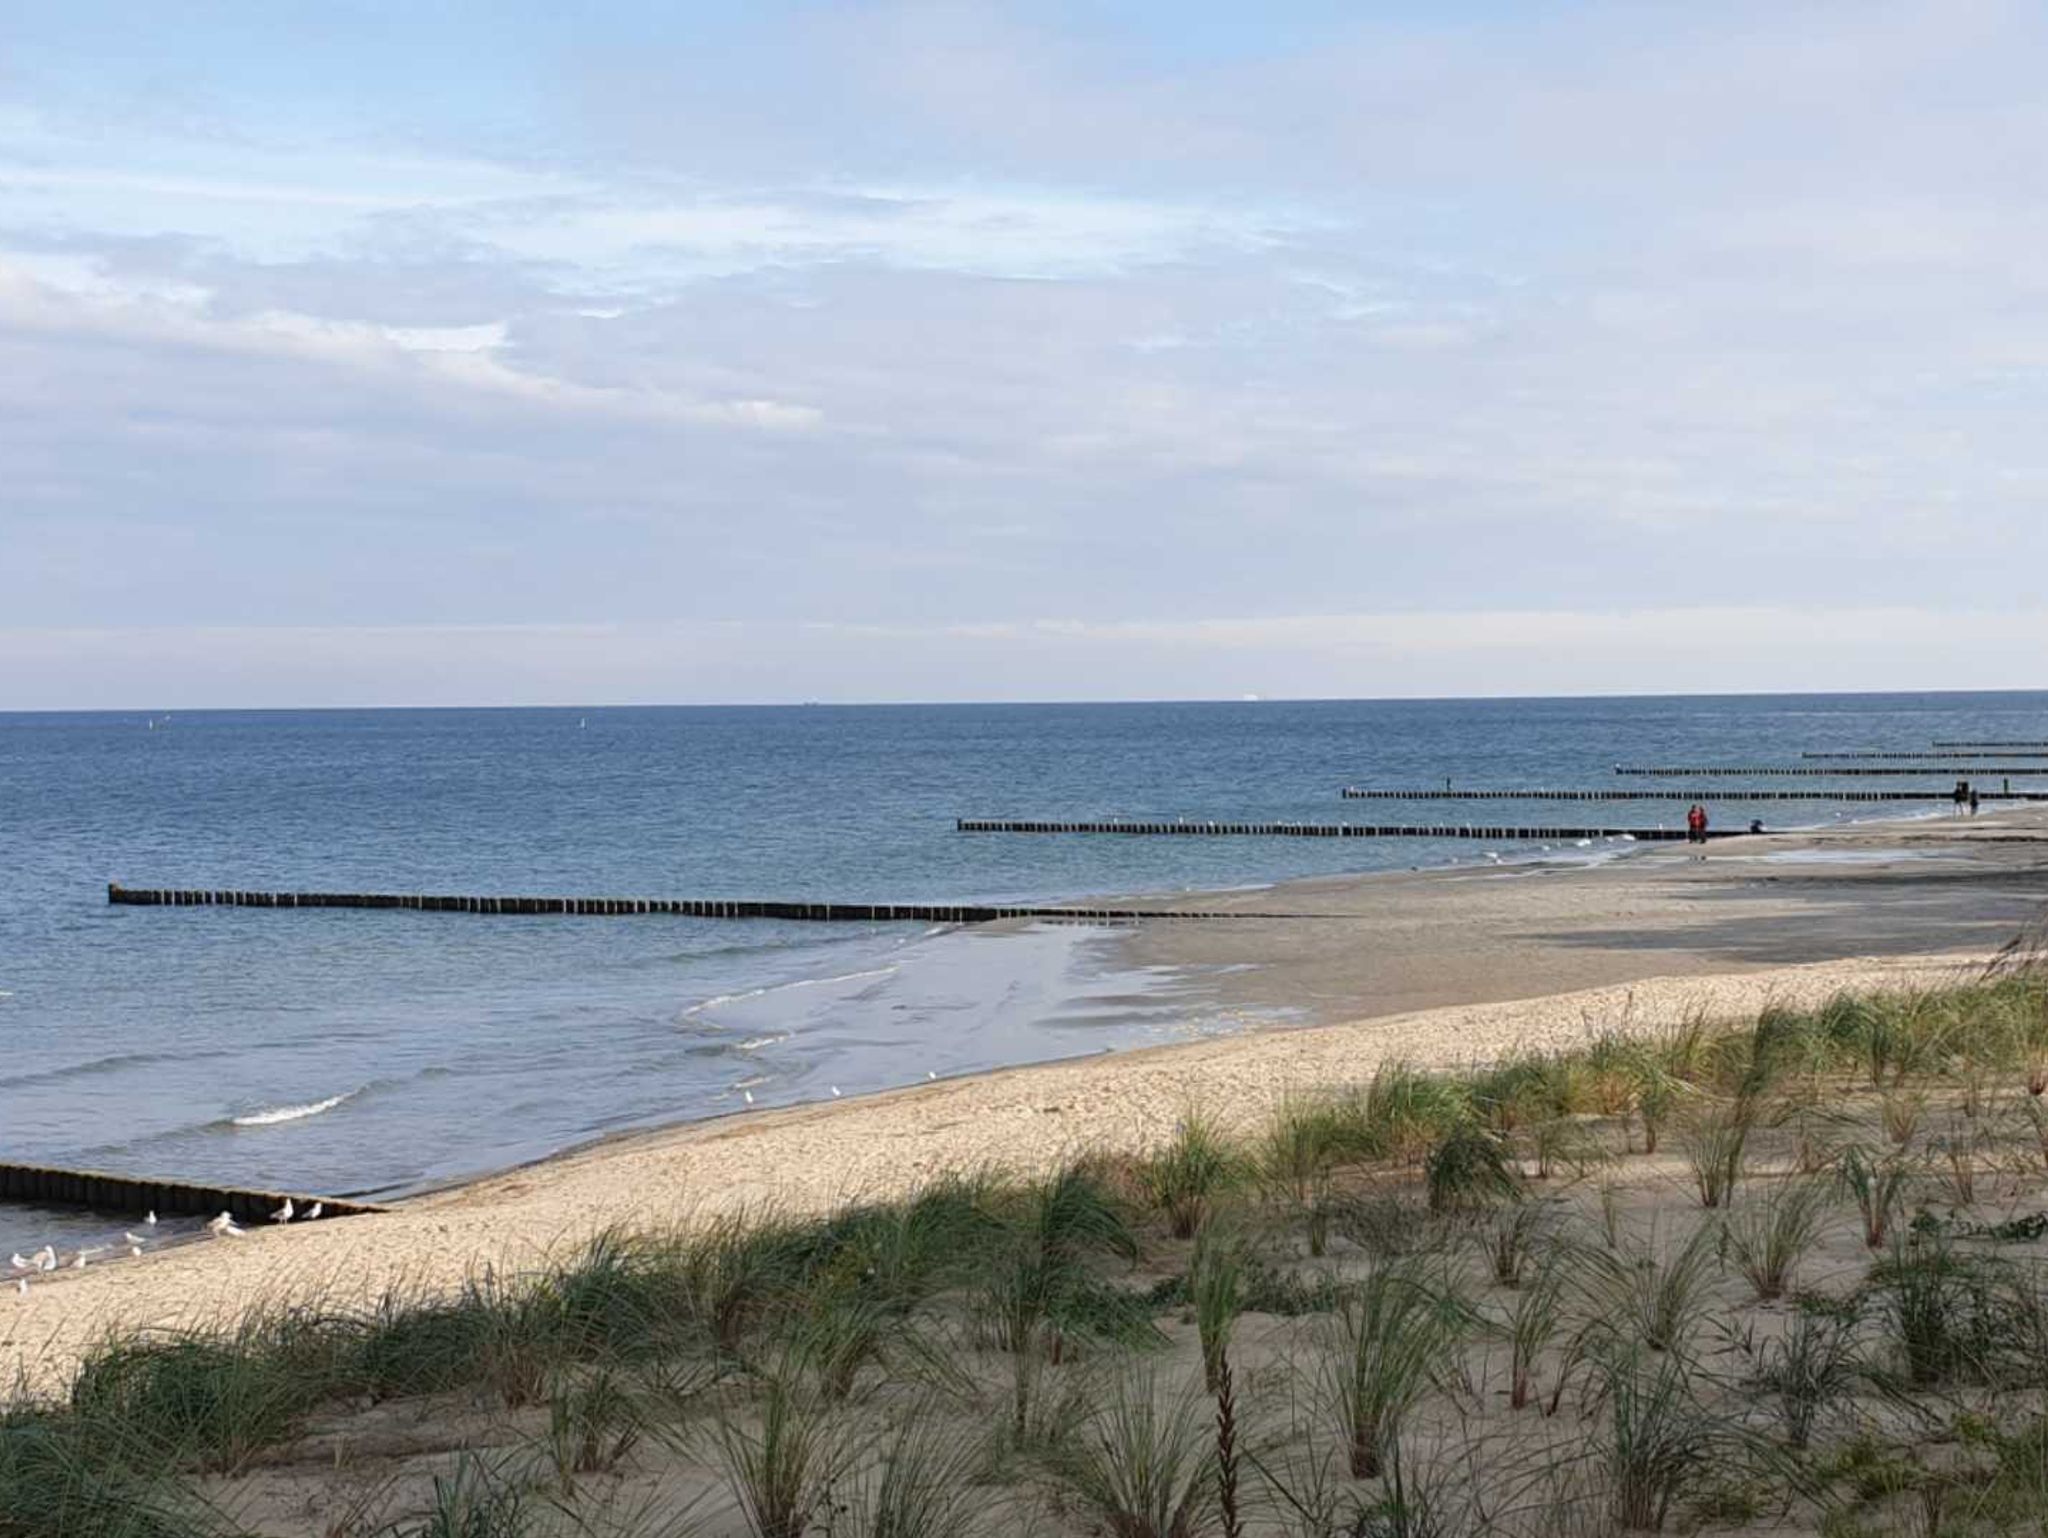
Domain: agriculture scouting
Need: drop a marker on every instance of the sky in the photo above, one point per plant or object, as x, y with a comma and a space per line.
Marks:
429, 353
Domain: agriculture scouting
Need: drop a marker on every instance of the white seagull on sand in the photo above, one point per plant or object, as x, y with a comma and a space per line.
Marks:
149, 1218
313, 1212
223, 1227
133, 1238
17, 1262
284, 1213
45, 1258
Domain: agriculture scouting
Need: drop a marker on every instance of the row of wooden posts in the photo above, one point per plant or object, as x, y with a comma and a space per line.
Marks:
1197, 829
682, 907
1779, 771
46, 1185
1364, 793
1917, 754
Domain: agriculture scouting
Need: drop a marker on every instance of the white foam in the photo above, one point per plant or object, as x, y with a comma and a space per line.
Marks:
275, 1114
720, 999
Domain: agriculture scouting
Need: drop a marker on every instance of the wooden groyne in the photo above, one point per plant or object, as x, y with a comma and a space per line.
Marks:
678, 907
1372, 793
1496, 834
1957, 742
1921, 754
134, 1195
1845, 772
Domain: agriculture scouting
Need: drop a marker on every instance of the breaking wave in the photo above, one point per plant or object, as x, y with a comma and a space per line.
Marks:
272, 1115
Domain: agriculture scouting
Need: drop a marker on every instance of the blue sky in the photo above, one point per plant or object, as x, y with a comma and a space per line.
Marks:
433, 353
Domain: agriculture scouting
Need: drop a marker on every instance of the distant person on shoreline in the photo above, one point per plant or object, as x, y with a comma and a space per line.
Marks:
1696, 824
1962, 796
1756, 825
1973, 801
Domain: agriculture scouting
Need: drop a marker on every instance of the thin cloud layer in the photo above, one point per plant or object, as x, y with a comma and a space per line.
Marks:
938, 321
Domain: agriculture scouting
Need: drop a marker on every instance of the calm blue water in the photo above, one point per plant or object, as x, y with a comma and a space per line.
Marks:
197, 1042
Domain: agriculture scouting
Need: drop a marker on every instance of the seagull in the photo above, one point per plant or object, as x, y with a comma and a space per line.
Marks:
749, 1094
149, 1219
79, 1263
17, 1262
135, 1250
223, 1227
313, 1212
929, 1074
284, 1213
45, 1258
835, 1092
133, 1238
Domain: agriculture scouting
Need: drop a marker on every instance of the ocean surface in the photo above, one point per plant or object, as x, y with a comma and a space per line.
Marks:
384, 1052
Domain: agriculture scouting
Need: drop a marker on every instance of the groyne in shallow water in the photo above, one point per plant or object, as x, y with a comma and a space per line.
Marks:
1839, 771
48, 1186
678, 907
1492, 832
1370, 793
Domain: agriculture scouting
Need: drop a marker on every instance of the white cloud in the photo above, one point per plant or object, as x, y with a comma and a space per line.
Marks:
933, 317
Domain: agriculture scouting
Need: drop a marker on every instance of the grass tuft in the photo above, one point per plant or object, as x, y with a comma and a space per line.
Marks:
1638, 1297
1144, 1463
1187, 1177
921, 1484
1715, 1137
1394, 1337
1767, 1237
1878, 1187
1471, 1169
1215, 1277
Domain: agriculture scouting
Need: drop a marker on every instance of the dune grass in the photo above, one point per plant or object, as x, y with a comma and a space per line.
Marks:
1109, 1345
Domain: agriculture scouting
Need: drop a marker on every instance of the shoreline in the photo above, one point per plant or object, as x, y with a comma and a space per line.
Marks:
1127, 942
809, 1158
1438, 968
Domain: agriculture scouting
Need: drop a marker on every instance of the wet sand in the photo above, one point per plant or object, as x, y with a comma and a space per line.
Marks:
1438, 968
1410, 941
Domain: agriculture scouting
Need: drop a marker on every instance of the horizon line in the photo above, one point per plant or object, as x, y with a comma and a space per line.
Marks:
941, 704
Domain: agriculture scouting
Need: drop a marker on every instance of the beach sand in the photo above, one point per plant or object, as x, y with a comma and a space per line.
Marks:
1438, 968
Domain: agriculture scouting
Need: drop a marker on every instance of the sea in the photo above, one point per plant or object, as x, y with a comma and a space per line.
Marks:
388, 1052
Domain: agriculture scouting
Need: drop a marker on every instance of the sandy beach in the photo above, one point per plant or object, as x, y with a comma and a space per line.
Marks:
1437, 968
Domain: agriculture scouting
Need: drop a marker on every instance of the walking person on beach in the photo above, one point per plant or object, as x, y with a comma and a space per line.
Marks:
1962, 796
1696, 825
1973, 801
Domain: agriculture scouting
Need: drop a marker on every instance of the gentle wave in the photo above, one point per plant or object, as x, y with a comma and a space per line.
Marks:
717, 1001
271, 1116
99, 1065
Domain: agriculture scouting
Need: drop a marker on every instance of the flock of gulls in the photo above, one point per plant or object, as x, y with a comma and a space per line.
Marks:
223, 1226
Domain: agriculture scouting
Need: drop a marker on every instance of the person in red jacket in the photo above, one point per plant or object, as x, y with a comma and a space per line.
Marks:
1696, 824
